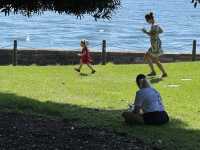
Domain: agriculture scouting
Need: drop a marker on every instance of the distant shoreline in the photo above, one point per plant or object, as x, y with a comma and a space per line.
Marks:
93, 50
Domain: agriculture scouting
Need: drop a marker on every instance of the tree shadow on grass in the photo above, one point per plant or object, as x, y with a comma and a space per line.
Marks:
174, 135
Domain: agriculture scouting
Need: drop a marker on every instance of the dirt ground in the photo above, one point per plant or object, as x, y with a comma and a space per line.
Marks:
28, 132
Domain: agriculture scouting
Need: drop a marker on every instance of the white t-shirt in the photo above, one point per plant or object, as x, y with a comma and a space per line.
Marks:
149, 100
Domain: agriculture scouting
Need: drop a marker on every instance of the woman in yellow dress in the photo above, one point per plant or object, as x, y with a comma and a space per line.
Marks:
155, 51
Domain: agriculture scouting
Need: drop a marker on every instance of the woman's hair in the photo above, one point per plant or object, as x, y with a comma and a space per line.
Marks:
85, 42
149, 16
141, 78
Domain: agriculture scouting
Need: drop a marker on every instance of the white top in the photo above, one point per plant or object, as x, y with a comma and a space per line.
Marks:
149, 100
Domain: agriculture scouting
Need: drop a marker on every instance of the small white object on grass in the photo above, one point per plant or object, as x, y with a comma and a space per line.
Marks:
173, 85
186, 79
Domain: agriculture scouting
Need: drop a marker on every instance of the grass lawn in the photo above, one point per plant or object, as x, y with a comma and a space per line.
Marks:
99, 99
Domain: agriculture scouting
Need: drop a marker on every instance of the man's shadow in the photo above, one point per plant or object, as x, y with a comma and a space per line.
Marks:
155, 79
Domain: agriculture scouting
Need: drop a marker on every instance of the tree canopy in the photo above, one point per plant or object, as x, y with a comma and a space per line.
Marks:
195, 2
96, 8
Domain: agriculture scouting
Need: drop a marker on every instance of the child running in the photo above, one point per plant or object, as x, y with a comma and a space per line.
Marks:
85, 57
156, 48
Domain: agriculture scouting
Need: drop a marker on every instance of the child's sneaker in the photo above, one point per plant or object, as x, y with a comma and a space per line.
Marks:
93, 71
76, 69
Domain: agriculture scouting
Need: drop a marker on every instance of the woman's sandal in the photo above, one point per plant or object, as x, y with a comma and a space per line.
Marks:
164, 75
151, 74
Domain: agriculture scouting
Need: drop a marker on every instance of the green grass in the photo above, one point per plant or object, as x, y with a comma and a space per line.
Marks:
99, 100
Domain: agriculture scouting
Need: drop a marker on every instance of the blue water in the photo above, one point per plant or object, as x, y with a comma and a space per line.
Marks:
180, 21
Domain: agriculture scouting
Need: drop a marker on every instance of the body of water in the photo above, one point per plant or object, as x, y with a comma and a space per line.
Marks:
179, 19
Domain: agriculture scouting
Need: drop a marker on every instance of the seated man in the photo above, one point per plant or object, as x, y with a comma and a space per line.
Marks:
148, 107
